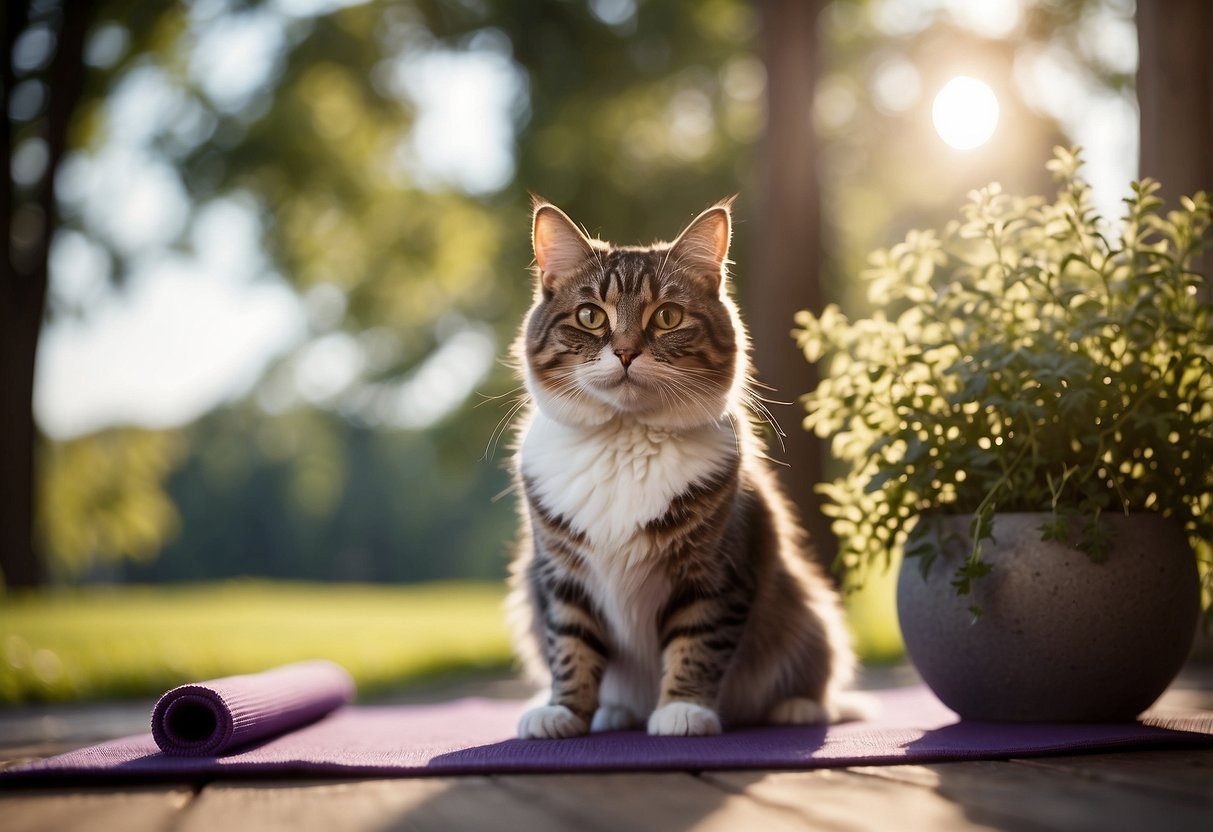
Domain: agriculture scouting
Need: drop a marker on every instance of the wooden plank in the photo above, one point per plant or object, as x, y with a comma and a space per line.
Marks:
842, 800
1014, 796
133, 809
424, 803
658, 801
1185, 774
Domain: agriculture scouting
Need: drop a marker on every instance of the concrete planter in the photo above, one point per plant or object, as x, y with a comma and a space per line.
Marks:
1060, 639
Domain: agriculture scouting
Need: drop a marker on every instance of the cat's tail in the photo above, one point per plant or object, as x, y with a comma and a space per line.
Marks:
853, 706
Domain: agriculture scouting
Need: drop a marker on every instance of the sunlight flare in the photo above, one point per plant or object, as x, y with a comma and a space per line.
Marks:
965, 113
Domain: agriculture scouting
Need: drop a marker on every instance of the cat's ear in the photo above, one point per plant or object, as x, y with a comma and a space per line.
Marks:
703, 248
560, 247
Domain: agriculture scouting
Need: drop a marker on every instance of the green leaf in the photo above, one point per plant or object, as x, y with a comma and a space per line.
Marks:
968, 572
1055, 529
1096, 542
926, 551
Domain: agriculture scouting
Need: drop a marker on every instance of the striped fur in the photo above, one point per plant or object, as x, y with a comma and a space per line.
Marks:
661, 581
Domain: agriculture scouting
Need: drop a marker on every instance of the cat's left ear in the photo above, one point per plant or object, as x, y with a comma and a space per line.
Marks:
703, 248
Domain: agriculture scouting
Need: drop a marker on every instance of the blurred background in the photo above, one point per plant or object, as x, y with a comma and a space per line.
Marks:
265, 259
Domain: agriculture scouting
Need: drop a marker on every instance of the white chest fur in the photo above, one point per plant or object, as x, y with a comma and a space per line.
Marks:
609, 481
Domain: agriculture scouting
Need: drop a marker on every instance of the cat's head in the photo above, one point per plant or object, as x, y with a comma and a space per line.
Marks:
646, 332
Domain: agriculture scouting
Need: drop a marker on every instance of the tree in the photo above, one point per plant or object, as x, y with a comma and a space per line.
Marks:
785, 267
1175, 96
314, 151
41, 86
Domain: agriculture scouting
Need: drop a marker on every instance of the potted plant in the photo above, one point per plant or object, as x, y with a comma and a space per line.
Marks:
1028, 416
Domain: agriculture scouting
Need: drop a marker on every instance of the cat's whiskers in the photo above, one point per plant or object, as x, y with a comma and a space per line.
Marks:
485, 398
520, 397
692, 392
699, 380
736, 433
673, 393
565, 389
756, 405
700, 404
504, 424
753, 401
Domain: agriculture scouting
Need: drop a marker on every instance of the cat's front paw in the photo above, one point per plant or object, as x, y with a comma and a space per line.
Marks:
550, 722
684, 719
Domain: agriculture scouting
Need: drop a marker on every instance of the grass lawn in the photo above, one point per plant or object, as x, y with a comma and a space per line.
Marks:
872, 616
110, 642
139, 641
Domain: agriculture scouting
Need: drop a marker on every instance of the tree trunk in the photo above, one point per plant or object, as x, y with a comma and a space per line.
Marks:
24, 245
1175, 95
785, 273
1175, 98
21, 303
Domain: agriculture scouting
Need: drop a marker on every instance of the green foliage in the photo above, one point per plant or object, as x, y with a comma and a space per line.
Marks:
1028, 358
140, 641
102, 498
308, 496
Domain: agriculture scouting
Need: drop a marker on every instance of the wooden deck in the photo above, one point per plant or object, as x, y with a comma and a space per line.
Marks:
1144, 790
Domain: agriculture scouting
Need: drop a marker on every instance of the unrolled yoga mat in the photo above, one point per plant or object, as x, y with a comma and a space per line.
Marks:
476, 736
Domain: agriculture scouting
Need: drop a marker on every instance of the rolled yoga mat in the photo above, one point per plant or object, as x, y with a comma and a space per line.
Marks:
207, 719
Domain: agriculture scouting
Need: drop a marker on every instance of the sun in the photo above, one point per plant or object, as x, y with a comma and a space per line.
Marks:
965, 113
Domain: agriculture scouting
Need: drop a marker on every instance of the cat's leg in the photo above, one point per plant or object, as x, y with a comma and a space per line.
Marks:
576, 648
699, 633
576, 669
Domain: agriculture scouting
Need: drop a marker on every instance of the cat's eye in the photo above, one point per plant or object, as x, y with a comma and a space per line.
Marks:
591, 317
667, 316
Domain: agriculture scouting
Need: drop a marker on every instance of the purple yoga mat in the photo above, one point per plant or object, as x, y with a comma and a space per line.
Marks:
476, 736
212, 718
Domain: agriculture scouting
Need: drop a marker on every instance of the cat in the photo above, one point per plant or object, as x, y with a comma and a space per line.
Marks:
661, 581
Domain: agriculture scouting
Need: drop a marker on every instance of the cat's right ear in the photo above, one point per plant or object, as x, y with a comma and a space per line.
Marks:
560, 247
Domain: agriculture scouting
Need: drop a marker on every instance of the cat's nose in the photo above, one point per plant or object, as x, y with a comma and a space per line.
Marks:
625, 356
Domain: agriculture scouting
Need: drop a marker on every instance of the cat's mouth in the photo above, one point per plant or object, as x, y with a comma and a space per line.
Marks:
625, 378
625, 389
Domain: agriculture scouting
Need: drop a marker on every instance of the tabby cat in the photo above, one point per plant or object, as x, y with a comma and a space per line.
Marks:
661, 580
